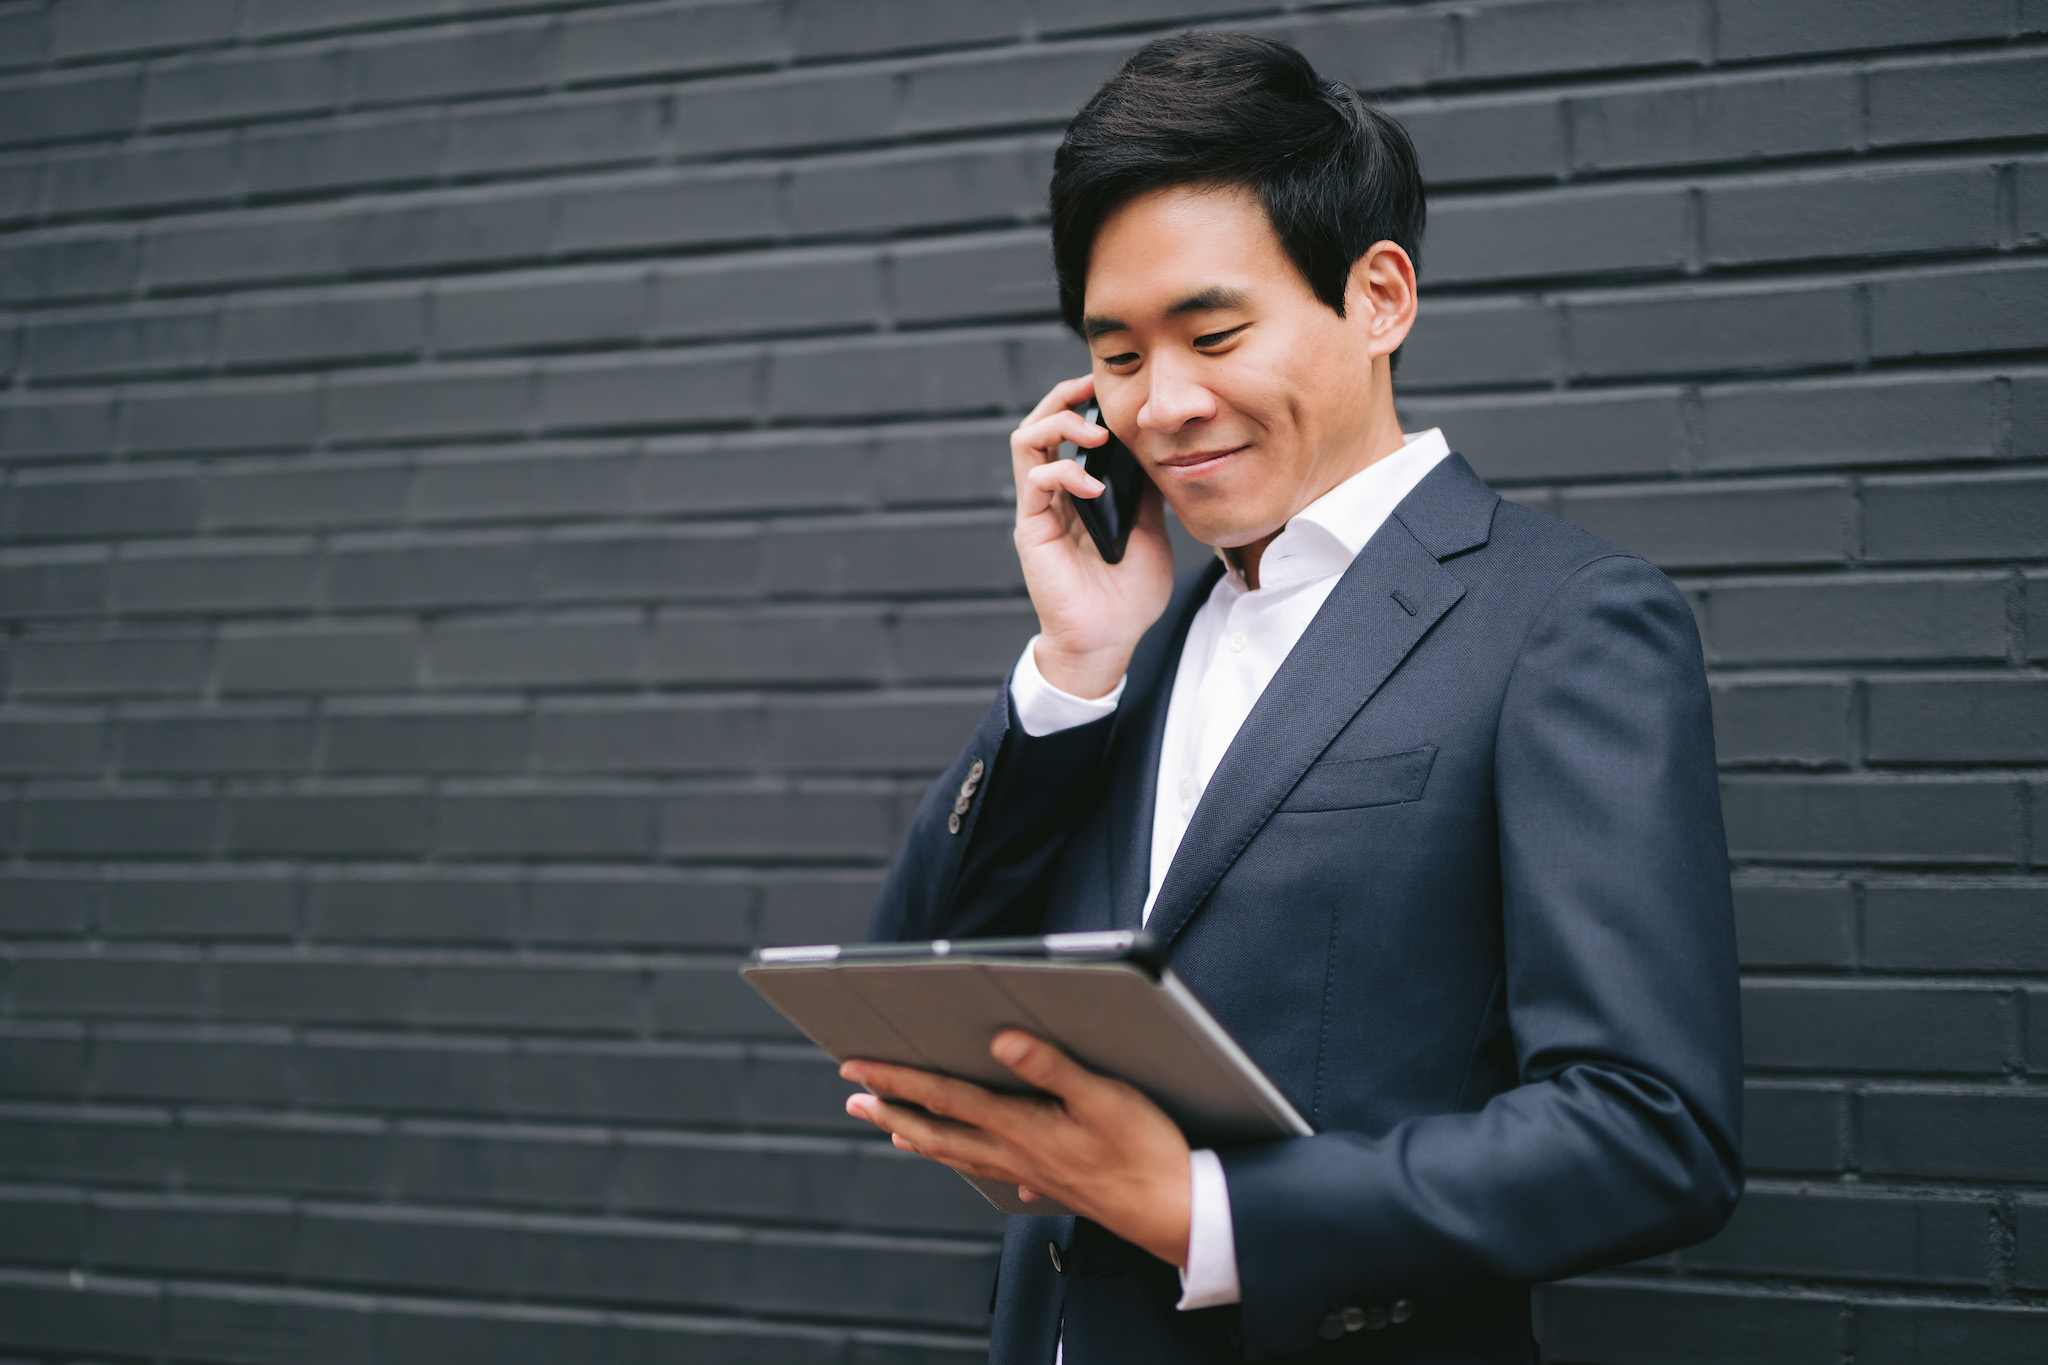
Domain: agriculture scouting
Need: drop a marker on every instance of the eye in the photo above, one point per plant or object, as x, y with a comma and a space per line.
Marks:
1218, 338
1127, 358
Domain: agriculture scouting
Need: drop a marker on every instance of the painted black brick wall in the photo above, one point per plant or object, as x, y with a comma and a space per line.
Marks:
503, 509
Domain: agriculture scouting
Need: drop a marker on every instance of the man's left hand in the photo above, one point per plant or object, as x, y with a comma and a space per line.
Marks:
1095, 1144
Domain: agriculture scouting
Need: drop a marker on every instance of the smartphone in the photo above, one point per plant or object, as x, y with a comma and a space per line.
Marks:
1110, 514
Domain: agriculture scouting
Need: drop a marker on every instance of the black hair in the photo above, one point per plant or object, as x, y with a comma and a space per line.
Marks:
1334, 173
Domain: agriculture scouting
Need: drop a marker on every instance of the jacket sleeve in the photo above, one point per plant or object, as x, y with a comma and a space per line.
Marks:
988, 875
1621, 1140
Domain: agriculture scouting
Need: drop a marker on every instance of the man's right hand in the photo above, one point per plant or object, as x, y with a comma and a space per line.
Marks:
1090, 613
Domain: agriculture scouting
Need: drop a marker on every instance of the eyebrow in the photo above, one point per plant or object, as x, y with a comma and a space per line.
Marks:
1206, 300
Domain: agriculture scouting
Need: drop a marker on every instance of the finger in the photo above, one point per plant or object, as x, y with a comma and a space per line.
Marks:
1065, 474
1064, 394
1044, 1065
942, 1095
939, 1139
1040, 440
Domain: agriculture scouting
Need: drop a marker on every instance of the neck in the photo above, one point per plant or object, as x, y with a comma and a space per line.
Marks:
1383, 440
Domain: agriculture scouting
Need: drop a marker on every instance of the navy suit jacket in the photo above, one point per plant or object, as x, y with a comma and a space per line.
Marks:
1459, 886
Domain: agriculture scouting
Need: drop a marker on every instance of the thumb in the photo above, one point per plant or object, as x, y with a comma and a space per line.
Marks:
1042, 1064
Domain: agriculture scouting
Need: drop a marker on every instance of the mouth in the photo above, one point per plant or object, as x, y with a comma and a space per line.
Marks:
1197, 464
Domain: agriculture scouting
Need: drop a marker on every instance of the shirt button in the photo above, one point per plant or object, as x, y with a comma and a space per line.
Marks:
1187, 787
1238, 642
1059, 1261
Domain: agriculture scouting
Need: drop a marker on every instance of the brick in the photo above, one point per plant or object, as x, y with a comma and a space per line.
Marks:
602, 650
754, 471
330, 825
1782, 328
770, 645
248, 247
1955, 99
302, 495
405, 1073
1795, 925
544, 483
1000, 184
665, 210
1942, 1334
33, 427
182, 1064
611, 909
1476, 140
560, 824
1836, 620
1892, 212
44, 1227
1759, 28
1801, 724
708, 999
1007, 87
788, 292
949, 464
686, 388
1804, 1026
102, 345
194, 745
786, 111
1627, 1324
259, 415
1529, 236
380, 571
817, 907
50, 1311
754, 822
44, 1060
46, 583
425, 739
955, 644
1911, 1240
238, 87
441, 401
564, 997
622, 564
1960, 720
166, 905
468, 61
2030, 196
157, 174
207, 1321
331, 657
640, 736
1695, 527
1519, 437
1792, 1127
100, 28
469, 229
825, 28
209, 1235
1962, 1135
1960, 312
520, 312
888, 377
87, 663
282, 1154
101, 505
403, 909
1456, 342
379, 149
1729, 118
1956, 928
908, 733
1984, 517
657, 39
1834, 422
1935, 820
905, 556
298, 330
163, 984
78, 1143
2031, 1245
443, 1161
597, 132
76, 264
196, 578
36, 744
275, 18
62, 905
2036, 1042
62, 108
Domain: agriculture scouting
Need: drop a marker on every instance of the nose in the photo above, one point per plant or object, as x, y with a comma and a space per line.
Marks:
1173, 401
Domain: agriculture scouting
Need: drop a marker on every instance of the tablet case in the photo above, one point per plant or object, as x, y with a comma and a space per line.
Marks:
937, 1006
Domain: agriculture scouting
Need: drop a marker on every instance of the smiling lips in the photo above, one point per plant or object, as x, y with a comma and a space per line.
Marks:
1197, 464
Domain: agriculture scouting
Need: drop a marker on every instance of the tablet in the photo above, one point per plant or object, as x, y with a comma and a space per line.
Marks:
1108, 999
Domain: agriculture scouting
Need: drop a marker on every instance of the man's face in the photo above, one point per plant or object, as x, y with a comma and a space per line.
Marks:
1242, 394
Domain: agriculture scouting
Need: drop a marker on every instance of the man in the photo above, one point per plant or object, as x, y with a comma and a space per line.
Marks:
1418, 785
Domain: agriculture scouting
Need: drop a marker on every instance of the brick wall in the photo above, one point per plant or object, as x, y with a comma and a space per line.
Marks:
503, 509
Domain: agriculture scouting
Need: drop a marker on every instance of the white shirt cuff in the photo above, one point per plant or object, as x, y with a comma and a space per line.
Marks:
1211, 1275
1044, 709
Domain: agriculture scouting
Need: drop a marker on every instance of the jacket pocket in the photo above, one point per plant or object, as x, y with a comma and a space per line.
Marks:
1352, 783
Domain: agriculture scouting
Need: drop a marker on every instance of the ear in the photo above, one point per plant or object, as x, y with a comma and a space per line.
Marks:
1381, 293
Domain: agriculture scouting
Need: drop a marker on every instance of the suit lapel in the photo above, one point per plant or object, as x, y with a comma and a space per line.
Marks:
1141, 732
1359, 637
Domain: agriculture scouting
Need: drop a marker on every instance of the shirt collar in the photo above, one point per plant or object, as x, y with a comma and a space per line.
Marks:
1325, 536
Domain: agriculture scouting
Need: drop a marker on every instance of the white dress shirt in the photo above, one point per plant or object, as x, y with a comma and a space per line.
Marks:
1236, 643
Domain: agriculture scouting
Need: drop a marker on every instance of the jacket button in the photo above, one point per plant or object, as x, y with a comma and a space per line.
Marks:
1352, 1318
1059, 1261
1375, 1318
1331, 1327
1402, 1310
953, 822
974, 773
